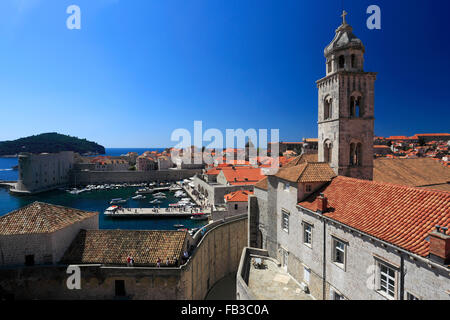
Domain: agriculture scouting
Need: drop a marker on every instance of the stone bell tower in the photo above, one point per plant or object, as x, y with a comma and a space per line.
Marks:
346, 107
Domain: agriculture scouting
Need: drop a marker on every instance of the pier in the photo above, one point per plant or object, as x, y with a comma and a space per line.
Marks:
155, 212
8, 184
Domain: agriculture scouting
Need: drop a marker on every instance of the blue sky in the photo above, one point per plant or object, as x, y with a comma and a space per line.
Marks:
137, 70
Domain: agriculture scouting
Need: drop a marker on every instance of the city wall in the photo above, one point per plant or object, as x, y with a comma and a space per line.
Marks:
100, 177
217, 254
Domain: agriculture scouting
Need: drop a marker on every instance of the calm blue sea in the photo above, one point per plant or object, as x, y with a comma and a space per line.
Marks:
96, 200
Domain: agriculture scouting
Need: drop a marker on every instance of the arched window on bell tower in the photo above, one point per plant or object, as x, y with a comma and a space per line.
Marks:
341, 62
356, 154
359, 154
327, 151
353, 57
327, 108
355, 109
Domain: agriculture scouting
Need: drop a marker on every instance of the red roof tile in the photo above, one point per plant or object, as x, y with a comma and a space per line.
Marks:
307, 172
262, 184
243, 175
238, 196
40, 217
401, 215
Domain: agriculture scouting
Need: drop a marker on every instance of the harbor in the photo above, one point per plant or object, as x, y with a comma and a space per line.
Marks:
98, 198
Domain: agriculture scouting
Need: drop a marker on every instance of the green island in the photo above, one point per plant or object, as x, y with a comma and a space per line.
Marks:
50, 142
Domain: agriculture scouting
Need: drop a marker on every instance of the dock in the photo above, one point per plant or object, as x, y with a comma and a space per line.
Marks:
153, 213
8, 184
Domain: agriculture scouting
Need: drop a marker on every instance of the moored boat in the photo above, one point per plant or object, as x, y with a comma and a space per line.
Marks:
199, 216
112, 209
117, 200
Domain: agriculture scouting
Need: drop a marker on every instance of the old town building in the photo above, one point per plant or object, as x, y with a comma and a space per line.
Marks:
321, 223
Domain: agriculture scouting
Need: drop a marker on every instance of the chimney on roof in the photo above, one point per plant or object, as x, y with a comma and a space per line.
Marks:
322, 203
440, 245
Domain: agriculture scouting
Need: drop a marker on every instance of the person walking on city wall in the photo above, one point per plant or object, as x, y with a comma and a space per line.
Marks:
128, 260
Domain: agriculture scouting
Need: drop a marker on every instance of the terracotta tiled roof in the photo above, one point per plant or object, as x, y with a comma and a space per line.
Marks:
39, 217
307, 172
114, 246
262, 184
400, 138
242, 175
306, 157
238, 196
403, 216
411, 172
213, 171
432, 134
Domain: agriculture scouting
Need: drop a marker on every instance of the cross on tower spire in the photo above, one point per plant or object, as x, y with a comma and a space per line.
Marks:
344, 13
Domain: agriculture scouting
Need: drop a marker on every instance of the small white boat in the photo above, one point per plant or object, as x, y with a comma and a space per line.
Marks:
138, 197
199, 216
75, 191
144, 190
117, 200
112, 208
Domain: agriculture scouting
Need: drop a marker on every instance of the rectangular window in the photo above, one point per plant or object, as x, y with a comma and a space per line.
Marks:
307, 234
410, 296
48, 259
286, 186
29, 260
120, 288
339, 252
306, 274
285, 221
387, 280
338, 296
308, 188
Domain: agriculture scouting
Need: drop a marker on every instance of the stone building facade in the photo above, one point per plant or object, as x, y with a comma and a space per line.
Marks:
40, 233
337, 255
344, 236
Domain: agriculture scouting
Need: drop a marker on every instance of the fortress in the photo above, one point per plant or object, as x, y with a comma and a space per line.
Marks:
43, 172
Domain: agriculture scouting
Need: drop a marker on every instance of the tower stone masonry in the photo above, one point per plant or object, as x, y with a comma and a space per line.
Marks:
346, 107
